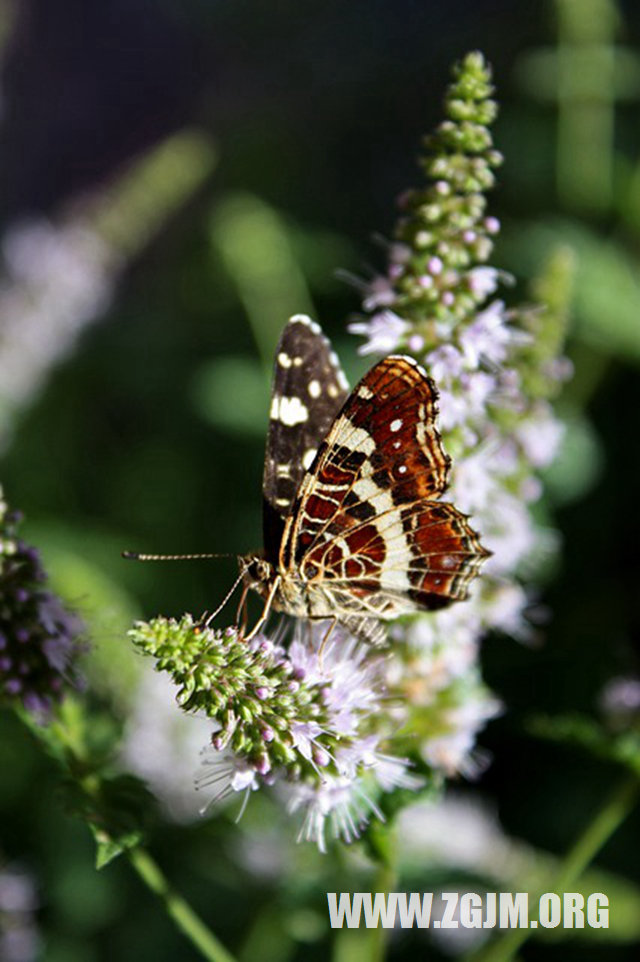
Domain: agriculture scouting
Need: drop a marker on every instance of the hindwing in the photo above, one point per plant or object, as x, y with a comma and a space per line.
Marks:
366, 519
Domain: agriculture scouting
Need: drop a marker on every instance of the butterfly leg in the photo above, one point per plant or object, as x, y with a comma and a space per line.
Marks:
265, 611
209, 618
327, 635
241, 611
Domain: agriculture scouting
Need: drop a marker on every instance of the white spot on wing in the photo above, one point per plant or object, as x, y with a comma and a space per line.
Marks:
340, 377
307, 458
289, 410
396, 425
304, 319
355, 439
314, 388
284, 360
365, 392
409, 360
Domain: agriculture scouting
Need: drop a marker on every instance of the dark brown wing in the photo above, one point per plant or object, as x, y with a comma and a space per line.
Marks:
366, 519
309, 388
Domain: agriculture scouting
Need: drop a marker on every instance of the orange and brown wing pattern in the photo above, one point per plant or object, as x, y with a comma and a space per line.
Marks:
365, 521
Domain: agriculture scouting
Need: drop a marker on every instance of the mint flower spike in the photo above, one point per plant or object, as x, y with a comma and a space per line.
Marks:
311, 720
39, 638
443, 237
496, 369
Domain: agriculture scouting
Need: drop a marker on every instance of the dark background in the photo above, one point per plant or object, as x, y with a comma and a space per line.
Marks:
317, 109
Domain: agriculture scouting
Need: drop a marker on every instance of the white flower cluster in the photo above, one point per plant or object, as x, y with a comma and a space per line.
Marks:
499, 438
57, 280
345, 780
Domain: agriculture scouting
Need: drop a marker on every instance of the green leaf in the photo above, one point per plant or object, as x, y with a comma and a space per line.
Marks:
108, 848
233, 394
581, 730
578, 463
254, 243
607, 283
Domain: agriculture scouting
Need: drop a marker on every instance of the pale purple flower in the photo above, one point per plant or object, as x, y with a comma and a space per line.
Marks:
448, 641
474, 481
350, 677
453, 752
58, 280
503, 608
453, 409
620, 697
304, 735
338, 800
540, 436
483, 281
444, 363
379, 293
161, 745
477, 389
509, 533
391, 772
399, 254
384, 330
488, 337
227, 772
19, 936
415, 343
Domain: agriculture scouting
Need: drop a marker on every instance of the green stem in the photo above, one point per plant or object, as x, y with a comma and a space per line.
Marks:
605, 823
64, 738
614, 811
379, 937
366, 945
180, 911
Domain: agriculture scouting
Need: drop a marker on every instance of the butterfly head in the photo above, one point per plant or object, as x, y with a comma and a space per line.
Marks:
257, 572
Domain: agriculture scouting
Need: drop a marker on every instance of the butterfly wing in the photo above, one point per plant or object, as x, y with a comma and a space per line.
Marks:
309, 388
366, 528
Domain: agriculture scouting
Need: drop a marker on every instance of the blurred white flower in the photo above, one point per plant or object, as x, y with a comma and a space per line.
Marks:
161, 745
454, 752
20, 939
57, 280
540, 435
384, 331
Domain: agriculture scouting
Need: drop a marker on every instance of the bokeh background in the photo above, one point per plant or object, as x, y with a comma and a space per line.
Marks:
178, 178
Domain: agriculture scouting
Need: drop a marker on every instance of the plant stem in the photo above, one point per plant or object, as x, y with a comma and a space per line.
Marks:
180, 911
379, 936
614, 811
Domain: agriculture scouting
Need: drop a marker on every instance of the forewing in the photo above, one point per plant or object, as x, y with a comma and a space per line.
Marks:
309, 387
366, 520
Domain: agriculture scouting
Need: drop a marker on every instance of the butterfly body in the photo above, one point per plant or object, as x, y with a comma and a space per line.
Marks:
354, 529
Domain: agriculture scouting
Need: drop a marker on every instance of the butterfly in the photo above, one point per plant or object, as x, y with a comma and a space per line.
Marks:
353, 527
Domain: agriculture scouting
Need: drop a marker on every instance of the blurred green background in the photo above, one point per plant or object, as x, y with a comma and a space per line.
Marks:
179, 177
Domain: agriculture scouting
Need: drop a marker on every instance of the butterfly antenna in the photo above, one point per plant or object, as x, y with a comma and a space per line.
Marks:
140, 556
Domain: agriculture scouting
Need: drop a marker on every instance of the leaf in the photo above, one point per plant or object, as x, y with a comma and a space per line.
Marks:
116, 809
607, 283
578, 464
108, 848
233, 394
581, 730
